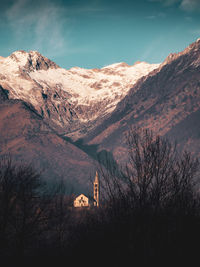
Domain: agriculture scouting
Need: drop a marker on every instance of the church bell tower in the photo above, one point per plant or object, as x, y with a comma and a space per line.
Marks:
96, 190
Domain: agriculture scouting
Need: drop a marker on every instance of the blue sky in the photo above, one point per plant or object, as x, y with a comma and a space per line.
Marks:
95, 33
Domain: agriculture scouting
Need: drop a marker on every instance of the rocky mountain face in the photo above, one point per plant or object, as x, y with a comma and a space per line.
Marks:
166, 101
42, 106
71, 101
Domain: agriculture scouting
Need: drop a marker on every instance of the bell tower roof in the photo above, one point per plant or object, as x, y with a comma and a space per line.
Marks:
96, 179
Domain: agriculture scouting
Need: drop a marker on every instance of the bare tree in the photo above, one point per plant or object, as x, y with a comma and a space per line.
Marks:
7, 188
154, 176
60, 215
22, 204
156, 172
27, 218
151, 201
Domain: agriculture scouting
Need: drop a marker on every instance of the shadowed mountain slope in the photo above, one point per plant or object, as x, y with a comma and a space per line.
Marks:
27, 138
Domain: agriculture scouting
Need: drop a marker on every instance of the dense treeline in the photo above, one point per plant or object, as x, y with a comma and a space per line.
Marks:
149, 213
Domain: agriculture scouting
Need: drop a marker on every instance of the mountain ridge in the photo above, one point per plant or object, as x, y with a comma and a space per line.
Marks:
72, 101
94, 109
158, 102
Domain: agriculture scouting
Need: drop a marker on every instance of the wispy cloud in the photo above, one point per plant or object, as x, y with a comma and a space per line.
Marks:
159, 15
186, 5
42, 22
190, 5
195, 32
166, 2
48, 24
151, 48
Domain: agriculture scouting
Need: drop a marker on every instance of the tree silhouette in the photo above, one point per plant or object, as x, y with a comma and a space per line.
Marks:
22, 206
152, 201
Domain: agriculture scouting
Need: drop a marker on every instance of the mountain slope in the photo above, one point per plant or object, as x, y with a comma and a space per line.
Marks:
95, 108
27, 138
71, 101
163, 101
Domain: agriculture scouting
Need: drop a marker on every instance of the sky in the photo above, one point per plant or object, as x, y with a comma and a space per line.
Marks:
96, 33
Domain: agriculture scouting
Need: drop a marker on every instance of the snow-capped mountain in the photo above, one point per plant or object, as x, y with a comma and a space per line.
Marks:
95, 108
167, 102
74, 100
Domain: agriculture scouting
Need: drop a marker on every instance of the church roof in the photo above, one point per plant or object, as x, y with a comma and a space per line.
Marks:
78, 195
89, 197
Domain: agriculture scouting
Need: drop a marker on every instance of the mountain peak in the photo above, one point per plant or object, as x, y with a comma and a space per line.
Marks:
192, 48
137, 62
116, 65
30, 61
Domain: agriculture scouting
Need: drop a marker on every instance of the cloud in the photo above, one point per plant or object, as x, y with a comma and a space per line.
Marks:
46, 25
186, 5
195, 32
166, 2
41, 22
190, 5
151, 48
153, 17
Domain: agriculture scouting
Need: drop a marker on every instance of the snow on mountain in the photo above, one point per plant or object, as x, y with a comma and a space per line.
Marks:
167, 102
21, 60
68, 98
87, 85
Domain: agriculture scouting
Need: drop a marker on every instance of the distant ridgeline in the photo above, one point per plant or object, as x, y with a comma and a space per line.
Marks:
84, 201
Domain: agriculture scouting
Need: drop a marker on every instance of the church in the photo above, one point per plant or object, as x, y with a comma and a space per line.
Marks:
84, 201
